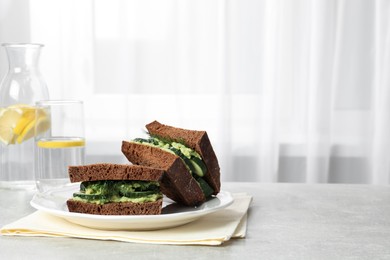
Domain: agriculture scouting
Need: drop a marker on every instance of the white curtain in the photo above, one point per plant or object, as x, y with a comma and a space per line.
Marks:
289, 91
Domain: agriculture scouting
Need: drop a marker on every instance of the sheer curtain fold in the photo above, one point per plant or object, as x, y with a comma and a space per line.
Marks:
380, 146
290, 91
267, 114
321, 89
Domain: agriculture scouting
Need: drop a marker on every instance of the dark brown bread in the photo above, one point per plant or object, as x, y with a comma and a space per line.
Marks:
177, 183
107, 171
197, 140
122, 208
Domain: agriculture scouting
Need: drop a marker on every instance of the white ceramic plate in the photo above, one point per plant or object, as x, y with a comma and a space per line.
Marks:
54, 203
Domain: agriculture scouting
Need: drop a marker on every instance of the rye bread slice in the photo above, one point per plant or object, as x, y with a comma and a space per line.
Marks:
177, 183
196, 140
108, 171
115, 208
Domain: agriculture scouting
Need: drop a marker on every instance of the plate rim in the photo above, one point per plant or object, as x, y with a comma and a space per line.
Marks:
66, 214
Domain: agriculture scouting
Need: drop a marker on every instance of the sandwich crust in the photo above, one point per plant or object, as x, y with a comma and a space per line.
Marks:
116, 208
108, 171
196, 140
177, 183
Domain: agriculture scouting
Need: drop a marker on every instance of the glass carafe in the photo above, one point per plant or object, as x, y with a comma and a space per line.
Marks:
21, 87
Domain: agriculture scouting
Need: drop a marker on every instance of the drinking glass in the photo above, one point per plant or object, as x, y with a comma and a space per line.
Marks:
61, 145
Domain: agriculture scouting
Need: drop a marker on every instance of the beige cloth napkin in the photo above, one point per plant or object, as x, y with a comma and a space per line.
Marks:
212, 229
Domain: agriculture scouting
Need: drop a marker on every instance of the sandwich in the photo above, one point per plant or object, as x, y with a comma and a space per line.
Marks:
116, 189
187, 156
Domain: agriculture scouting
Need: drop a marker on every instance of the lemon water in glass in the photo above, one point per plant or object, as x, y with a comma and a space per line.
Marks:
17, 129
54, 155
63, 145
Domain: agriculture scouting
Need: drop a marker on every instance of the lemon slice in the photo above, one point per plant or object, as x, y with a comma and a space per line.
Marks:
18, 123
9, 118
60, 143
6, 135
36, 126
27, 117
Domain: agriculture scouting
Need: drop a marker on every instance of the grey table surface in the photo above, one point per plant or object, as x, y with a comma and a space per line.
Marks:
286, 221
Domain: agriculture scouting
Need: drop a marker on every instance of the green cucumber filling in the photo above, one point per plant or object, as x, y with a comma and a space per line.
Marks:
101, 192
192, 160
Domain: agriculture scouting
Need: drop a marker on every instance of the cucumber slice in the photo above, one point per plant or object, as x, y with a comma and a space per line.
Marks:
143, 140
138, 194
82, 186
200, 168
186, 161
176, 151
82, 195
207, 190
132, 195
